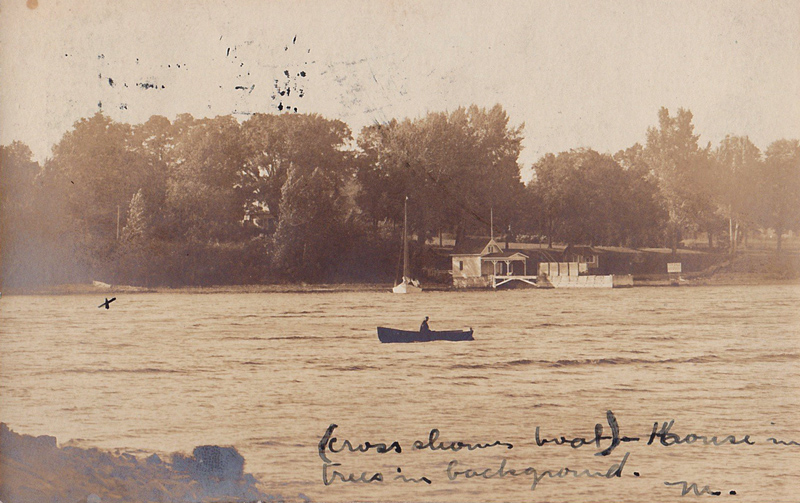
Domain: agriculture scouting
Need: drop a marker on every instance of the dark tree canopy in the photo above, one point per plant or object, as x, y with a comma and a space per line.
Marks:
292, 197
587, 197
781, 187
454, 167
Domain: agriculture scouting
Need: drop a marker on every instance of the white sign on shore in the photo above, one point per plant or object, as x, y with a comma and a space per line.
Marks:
673, 267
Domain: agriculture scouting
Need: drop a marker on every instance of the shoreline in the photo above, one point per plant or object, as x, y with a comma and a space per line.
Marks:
689, 280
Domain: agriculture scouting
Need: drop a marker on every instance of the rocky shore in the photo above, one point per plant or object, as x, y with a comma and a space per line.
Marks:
37, 470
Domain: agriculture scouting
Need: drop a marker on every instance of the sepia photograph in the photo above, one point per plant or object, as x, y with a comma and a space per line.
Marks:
399, 251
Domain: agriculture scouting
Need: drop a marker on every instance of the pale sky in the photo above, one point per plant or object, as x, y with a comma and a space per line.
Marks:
577, 73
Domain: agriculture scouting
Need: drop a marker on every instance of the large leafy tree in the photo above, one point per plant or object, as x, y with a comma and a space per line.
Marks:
311, 230
780, 182
96, 170
275, 144
551, 178
587, 197
738, 163
205, 201
17, 210
645, 220
296, 170
155, 141
18, 171
454, 167
682, 169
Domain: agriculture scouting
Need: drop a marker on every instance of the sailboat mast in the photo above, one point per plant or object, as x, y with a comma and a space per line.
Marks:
405, 240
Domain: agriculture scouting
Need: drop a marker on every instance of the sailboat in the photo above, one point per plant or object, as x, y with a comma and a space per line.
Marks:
408, 285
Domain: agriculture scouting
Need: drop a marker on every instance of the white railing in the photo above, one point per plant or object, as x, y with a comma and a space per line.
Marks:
498, 280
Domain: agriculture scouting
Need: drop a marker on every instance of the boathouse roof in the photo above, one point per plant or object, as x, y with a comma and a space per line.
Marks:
506, 254
474, 246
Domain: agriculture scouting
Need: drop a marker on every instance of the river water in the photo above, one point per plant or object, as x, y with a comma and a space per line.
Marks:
268, 373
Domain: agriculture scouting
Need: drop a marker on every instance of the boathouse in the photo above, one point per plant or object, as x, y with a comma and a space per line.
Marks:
484, 263
588, 267
583, 255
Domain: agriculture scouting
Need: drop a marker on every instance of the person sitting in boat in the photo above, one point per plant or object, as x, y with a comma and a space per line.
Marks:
423, 328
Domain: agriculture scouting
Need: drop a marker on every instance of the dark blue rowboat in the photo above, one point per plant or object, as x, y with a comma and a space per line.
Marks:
394, 335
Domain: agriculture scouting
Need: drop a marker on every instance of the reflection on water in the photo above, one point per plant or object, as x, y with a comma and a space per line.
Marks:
268, 373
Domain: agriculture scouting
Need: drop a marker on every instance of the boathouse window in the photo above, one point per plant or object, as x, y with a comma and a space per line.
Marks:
460, 265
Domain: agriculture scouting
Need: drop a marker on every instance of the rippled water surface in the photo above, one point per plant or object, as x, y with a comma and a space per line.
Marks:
267, 373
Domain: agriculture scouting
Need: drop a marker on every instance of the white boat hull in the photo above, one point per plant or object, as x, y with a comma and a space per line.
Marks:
406, 287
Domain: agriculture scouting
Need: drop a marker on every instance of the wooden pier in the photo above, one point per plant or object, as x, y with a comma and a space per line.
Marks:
498, 280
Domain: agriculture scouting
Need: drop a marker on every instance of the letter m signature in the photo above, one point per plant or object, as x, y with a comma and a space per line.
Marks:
687, 488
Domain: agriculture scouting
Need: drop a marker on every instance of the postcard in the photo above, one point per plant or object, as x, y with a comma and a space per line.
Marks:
399, 251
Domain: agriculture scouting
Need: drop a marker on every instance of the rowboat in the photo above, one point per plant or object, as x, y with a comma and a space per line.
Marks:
395, 335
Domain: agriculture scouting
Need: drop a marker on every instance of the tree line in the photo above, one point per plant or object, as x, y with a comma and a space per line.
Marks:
296, 197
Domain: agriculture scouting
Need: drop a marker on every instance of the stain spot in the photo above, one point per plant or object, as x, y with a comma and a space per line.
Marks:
32, 4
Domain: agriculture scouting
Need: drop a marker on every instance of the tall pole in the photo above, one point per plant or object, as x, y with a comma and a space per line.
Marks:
117, 222
405, 240
491, 222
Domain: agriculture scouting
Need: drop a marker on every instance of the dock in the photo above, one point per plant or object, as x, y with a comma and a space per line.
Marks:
498, 280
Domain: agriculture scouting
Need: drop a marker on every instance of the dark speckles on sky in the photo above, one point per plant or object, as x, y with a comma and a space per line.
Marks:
291, 85
255, 86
